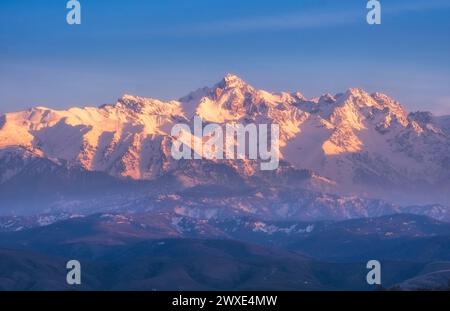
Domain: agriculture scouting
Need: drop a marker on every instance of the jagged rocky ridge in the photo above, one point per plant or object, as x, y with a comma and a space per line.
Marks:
339, 152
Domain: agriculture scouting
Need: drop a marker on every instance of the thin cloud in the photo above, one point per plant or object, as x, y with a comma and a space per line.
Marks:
277, 23
411, 6
304, 20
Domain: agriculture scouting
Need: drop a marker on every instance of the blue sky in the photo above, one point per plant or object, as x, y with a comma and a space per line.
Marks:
167, 48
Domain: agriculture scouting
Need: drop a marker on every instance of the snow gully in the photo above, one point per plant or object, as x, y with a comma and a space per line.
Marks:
211, 143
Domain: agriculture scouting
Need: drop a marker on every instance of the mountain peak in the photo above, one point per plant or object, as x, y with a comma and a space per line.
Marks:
231, 77
133, 102
231, 81
129, 97
357, 92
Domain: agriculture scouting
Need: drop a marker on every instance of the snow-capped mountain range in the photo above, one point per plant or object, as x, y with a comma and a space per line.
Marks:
353, 143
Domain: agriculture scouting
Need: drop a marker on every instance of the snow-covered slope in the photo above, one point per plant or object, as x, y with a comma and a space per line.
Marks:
355, 142
369, 142
365, 143
233, 100
126, 139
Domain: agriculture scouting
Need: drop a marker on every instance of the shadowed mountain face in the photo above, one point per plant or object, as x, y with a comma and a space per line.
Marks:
203, 189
